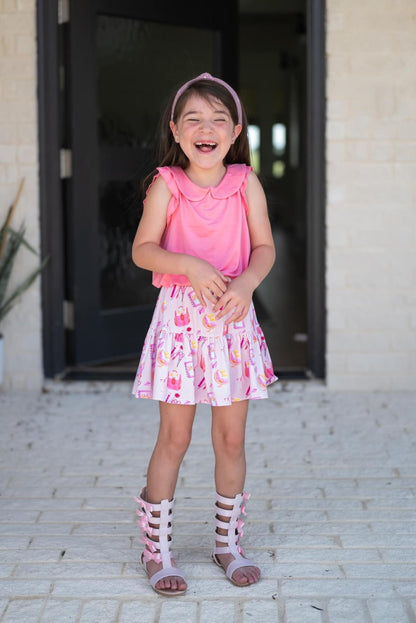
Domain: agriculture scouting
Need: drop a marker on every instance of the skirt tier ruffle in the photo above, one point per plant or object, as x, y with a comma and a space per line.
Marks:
190, 357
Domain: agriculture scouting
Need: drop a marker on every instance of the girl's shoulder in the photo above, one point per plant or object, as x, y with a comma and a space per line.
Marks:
238, 170
163, 183
158, 192
236, 178
256, 197
253, 180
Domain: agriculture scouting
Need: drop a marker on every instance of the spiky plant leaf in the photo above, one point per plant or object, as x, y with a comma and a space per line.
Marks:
24, 242
10, 246
10, 251
6, 306
4, 230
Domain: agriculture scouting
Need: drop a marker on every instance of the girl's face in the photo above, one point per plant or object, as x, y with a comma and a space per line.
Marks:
205, 131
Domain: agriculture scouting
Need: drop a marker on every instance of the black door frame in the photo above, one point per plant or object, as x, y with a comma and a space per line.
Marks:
315, 187
51, 193
50, 189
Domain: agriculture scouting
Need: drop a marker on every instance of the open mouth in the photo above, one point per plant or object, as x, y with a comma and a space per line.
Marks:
206, 147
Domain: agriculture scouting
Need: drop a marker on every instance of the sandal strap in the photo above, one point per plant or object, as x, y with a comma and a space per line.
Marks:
240, 497
157, 550
236, 552
233, 527
166, 572
238, 563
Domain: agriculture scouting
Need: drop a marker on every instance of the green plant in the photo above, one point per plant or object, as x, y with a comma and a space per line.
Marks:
11, 241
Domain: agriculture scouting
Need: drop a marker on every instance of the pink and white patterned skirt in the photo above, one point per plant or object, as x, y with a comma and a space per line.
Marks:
190, 357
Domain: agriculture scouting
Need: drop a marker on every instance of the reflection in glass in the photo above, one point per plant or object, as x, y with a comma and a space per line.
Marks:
279, 149
122, 284
254, 142
278, 168
279, 138
138, 64
272, 85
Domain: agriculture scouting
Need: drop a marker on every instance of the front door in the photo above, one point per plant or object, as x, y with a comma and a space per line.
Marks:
125, 56
118, 59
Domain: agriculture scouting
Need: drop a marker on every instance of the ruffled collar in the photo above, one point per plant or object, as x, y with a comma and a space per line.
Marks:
229, 185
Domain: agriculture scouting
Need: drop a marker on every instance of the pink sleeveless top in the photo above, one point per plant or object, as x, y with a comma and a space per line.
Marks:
209, 223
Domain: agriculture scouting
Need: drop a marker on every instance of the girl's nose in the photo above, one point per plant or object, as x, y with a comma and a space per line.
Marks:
206, 125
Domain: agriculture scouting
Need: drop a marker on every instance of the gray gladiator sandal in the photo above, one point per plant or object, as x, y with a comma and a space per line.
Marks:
234, 534
159, 551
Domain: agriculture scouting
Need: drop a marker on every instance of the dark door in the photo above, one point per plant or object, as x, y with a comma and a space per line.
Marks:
272, 82
124, 57
103, 74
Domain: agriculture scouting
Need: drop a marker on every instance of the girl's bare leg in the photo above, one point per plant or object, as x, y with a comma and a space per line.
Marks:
228, 438
175, 431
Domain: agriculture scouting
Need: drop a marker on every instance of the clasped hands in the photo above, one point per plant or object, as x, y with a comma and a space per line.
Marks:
230, 297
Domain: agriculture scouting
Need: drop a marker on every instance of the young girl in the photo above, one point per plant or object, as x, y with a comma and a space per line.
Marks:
206, 236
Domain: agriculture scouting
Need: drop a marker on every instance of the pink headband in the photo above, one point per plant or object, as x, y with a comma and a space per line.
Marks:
207, 76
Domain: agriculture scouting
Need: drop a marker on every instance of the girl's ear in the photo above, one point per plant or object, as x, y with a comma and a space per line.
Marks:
174, 130
237, 131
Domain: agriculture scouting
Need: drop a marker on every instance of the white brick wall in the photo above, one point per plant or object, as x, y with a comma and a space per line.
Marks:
371, 194
18, 159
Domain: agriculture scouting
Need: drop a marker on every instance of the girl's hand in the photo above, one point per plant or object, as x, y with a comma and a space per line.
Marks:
235, 301
208, 282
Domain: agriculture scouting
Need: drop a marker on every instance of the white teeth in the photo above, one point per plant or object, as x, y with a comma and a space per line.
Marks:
206, 143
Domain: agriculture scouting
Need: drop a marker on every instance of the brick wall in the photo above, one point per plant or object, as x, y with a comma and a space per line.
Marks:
18, 159
371, 194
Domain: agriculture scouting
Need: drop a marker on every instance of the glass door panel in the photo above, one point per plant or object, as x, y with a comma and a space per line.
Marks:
131, 92
124, 57
272, 78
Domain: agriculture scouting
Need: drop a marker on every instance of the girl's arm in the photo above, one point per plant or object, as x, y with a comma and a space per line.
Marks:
207, 281
240, 291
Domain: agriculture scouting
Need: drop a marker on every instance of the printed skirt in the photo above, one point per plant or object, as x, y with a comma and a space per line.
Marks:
191, 357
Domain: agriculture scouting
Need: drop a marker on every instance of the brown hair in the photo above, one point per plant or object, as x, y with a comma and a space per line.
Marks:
170, 152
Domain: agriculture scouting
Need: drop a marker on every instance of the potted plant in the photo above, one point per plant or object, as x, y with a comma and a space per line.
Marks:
11, 241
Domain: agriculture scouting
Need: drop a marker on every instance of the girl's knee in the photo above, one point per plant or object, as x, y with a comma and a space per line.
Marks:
230, 443
176, 442
175, 429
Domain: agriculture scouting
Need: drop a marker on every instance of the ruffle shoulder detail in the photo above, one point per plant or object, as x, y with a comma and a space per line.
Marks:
234, 180
170, 179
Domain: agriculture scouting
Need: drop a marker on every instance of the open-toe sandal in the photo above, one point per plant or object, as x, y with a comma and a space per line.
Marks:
231, 540
159, 526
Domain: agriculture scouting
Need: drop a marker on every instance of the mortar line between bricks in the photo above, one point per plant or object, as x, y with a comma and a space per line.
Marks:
281, 605
314, 522
238, 612
46, 601
324, 604
409, 610
79, 613
198, 611
22, 599
3, 611
118, 613
367, 612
